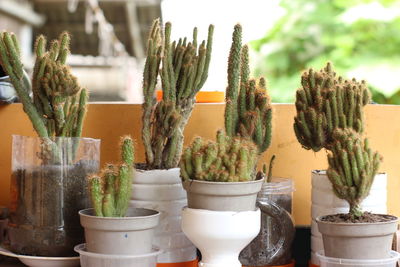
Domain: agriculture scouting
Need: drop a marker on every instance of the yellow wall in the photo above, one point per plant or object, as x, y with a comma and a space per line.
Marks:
109, 121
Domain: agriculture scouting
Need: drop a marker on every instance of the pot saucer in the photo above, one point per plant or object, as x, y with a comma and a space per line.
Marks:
39, 261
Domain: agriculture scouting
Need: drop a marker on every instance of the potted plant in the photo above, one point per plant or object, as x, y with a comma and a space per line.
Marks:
183, 69
48, 185
111, 227
330, 115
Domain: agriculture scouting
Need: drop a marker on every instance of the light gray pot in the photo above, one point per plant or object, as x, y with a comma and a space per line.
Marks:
130, 235
222, 196
357, 240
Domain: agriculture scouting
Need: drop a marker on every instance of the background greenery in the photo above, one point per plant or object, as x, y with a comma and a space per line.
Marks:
359, 42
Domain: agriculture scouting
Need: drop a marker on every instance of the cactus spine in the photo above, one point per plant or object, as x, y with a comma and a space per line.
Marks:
229, 159
184, 70
111, 189
58, 106
330, 115
248, 111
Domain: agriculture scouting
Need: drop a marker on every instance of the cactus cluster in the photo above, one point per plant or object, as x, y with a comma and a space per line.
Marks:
110, 190
352, 167
330, 116
58, 106
229, 159
248, 111
183, 72
326, 102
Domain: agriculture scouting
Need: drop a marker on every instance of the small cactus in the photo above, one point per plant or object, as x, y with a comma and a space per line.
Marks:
326, 102
248, 111
111, 189
58, 106
352, 167
229, 159
183, 72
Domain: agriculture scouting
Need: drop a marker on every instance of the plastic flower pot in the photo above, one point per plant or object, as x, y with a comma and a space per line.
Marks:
390, 261
48, 188
162, 190
130, 235
222, 196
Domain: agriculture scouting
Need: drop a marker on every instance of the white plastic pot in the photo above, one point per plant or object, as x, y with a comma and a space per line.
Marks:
89, 259
162, 190
220, 235
325, 202
337, 262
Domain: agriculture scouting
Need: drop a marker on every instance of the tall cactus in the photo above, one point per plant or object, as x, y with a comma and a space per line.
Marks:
352, 167
326, 102
183, 72
110, 190
330, 116
58, 106
229, 159
248, 111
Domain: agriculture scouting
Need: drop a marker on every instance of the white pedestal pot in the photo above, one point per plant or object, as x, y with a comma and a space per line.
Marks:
220, 235
162, 190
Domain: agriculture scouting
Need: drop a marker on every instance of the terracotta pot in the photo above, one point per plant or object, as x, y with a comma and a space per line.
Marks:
222, 196
357, 240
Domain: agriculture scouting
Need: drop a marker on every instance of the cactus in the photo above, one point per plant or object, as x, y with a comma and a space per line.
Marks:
248, 111
110, 190
326, 102
352, 167
183, 72
58, 106
229, 159
330, 116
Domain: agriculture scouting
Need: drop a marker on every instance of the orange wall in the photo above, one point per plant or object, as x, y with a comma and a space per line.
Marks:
109, 121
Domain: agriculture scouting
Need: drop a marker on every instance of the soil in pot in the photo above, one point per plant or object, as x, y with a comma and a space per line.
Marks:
44, 218
367, 217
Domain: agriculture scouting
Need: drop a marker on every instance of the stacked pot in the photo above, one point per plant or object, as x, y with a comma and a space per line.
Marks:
221, 219
119, 241
325, 202
162, 190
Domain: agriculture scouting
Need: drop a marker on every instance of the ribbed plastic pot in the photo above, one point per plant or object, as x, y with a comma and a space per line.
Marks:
130, 235
325, 202
162, 190
222, 196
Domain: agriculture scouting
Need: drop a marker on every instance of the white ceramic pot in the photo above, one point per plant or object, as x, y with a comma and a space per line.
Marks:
162, 190
130, 235
325, 202
220, 235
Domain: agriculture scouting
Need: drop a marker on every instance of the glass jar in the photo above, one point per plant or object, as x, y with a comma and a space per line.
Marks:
7, 91
273, 245
48, 188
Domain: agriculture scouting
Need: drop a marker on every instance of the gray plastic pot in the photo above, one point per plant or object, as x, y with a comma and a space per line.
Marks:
130, 235
357, 240
222, 196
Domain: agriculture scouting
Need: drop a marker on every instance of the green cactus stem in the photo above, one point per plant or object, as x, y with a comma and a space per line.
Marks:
248, 110
352, 167
110, 190
326, 102
58, 106
228, 159
183, 72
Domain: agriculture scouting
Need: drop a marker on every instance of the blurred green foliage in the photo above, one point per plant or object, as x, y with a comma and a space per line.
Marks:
313, 32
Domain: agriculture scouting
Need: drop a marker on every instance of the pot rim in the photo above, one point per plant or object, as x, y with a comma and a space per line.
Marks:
323, 172
127, 218
318, 220
81, 249
224, 183
58, 137
394, 256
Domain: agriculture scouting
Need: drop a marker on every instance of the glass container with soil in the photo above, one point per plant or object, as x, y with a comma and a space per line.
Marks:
48, 188
273, 245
